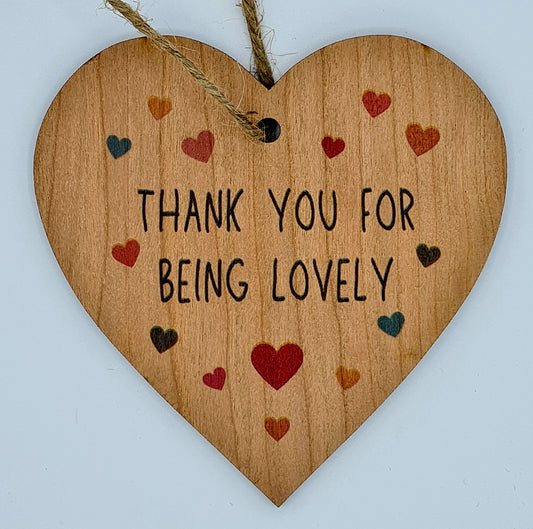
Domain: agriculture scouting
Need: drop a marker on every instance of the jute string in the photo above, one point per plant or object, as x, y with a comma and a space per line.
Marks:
263, 68
141, 24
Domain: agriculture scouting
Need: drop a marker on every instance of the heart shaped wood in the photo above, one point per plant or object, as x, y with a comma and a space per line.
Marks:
299, 245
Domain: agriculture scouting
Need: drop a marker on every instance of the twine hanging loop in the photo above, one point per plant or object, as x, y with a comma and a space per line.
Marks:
141, 24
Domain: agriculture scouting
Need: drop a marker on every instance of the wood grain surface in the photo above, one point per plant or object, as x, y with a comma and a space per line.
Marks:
315, 317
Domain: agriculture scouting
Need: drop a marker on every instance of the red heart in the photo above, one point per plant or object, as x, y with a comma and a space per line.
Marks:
277, 367
200, 148
421, 140
216, 379
374, 104
126, 254
332, 147
277, 428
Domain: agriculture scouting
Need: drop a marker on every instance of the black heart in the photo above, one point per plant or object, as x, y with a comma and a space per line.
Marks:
427, 256
163, 340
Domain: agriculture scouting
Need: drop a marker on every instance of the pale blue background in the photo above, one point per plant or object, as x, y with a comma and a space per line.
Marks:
85, 443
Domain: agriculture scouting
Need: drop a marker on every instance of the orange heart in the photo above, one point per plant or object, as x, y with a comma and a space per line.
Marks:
422, 140
277, 428
159, 108
347, 377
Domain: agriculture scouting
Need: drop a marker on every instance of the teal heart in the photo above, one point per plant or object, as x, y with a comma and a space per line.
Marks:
118, 147
393, 325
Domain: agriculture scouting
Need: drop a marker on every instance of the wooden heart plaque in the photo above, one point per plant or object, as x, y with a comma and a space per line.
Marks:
275, 294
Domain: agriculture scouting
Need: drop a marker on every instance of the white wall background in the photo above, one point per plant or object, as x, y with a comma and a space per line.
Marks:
86, 443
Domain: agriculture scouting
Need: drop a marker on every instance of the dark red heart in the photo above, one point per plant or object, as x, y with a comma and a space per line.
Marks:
333, 147
216, 379
277, 367
374, 104
200, 148
126, 254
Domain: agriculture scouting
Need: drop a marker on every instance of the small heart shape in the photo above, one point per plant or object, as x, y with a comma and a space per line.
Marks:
422, 140
118, 147
376, 104
163, 340
126, 254
277, 367
427, 256
159, 107
393, 325
277, 428
347, 377
200, 148
333, 147
216, 379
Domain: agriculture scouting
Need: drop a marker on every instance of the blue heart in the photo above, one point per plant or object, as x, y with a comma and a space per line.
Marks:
393, 325
118, 147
